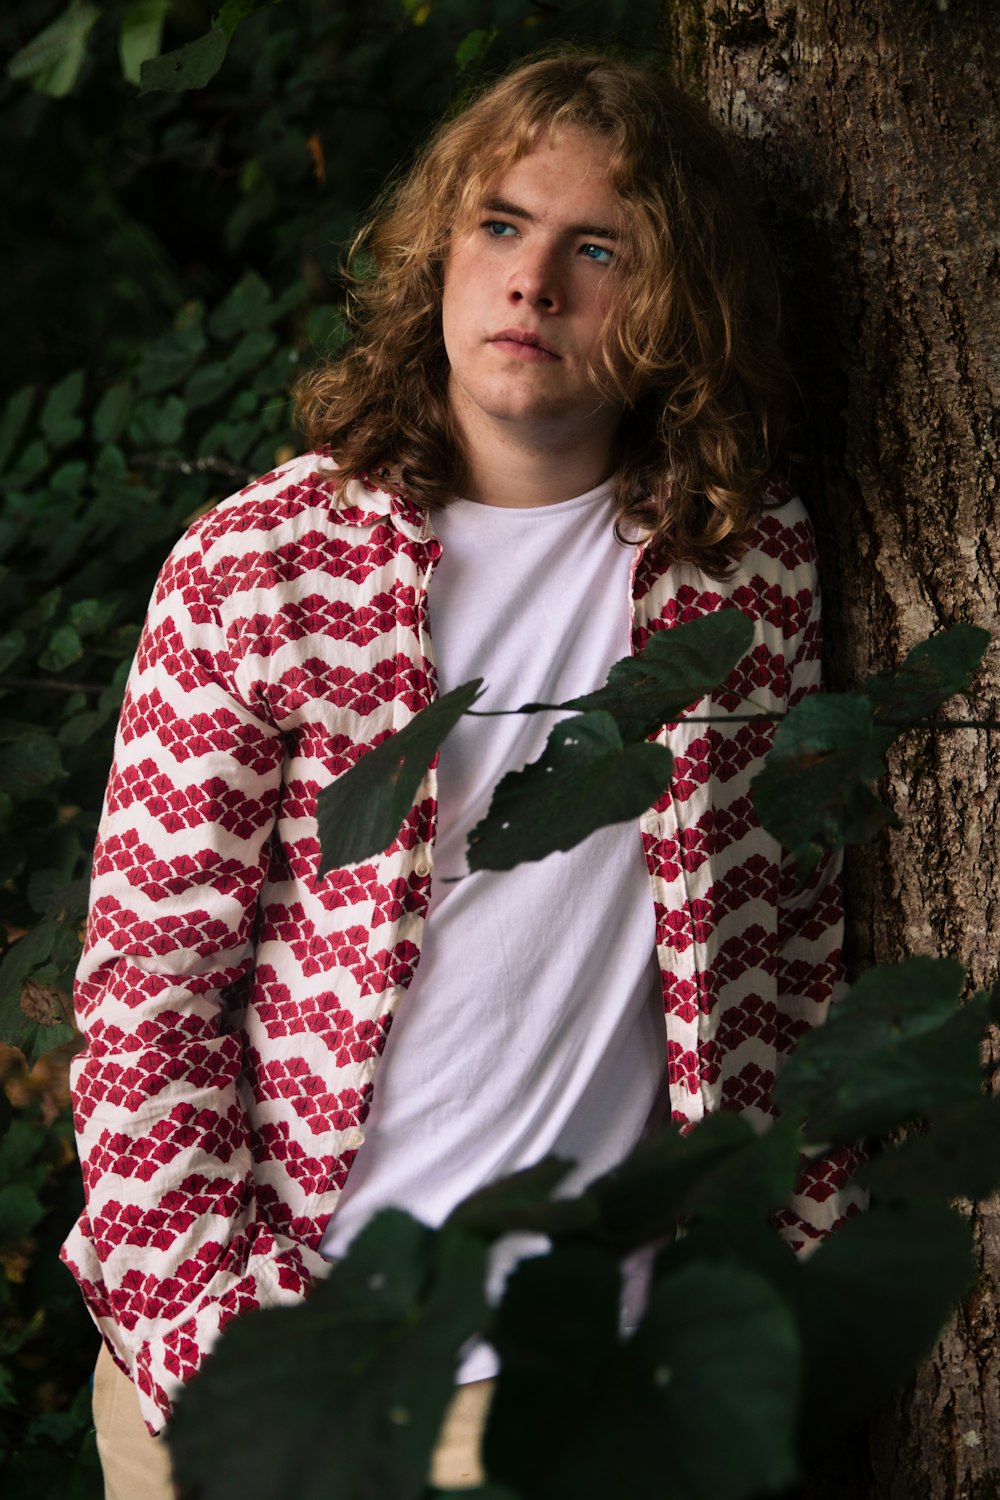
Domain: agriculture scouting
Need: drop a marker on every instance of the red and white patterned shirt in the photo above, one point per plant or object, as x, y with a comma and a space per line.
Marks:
236, 1007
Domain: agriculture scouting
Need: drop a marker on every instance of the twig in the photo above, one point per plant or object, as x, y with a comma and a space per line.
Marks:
206, 465
52, 685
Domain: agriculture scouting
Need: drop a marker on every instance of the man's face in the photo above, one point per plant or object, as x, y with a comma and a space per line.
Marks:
525, 293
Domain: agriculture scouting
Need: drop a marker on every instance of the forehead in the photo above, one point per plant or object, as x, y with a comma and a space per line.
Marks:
566, 172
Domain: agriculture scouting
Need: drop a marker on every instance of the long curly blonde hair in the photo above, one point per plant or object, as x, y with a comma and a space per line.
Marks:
690, 346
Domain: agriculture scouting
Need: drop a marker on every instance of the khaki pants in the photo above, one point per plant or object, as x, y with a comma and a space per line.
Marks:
137, 1465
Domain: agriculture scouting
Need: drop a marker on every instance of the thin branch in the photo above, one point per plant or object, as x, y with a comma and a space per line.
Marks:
206, 465
51, 685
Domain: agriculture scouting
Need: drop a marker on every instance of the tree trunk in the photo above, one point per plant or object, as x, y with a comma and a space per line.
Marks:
870, 130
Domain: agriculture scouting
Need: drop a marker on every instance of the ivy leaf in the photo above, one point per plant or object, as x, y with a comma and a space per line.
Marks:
187, 67
30, 762
675, 669
39, 953
111, 413
389, 1322
58, 420
360, 813
473, 48
63, 649
897, 1046
12, 643
165, 362
933, 672
247, 308
812, 793
51, 61
139, 35
20, 1211
158, 423
585, 779
13, 421
235, 11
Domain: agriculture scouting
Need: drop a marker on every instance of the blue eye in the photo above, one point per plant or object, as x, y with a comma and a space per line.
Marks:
498, 229
598, 253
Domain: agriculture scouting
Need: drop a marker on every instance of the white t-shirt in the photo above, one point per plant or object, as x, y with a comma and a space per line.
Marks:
533, 1025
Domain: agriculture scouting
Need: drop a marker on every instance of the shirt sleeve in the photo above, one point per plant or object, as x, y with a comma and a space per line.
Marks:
171, 1244
809, 978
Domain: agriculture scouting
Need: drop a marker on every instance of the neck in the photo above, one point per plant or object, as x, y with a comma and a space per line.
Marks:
521, 470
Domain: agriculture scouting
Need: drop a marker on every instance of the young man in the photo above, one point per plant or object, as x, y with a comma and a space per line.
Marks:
551, 435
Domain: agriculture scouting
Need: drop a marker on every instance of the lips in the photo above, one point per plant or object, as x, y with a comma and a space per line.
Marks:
526, 340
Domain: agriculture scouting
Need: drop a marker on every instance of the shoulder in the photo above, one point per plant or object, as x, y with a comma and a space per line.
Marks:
782, 540
274, 522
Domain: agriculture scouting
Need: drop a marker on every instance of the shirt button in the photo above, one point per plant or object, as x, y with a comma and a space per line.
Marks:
422, 866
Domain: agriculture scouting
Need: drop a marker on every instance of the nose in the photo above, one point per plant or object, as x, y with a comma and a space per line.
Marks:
535, 279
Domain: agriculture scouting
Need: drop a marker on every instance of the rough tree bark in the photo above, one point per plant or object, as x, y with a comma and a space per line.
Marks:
870, 128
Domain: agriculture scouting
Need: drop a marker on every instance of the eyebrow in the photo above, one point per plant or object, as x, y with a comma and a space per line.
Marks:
504, 206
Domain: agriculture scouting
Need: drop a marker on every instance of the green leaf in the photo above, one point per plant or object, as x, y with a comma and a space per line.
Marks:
111, 413
12, 423
361, 812
811, 794
167, 360
187, 67
32, 461
707, 1385
524, 1202
721, 1353
753, 1181
586, 778
51, 61
63, 649
642, 1198
247, 307
473, 48
11, 645
20, 1211
140, 34
58, 420
158, 423
235, 11
676, 668
873, 1298
933, 672
25, 958
91, 616
30, 763
364, 1369
556, 1332
894, 1048
207, 383
958, 1156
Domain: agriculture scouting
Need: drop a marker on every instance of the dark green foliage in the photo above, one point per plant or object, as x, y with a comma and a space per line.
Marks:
181, 269
813, 794
47, 1342
377, 1343
894, 1047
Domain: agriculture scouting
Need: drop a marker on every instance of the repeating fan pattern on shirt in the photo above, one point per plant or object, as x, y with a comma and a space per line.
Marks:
236, 1006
